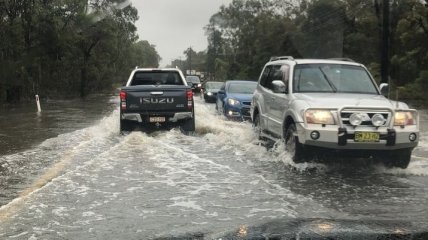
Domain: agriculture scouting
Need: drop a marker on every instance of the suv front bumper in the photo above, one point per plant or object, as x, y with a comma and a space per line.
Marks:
335, 137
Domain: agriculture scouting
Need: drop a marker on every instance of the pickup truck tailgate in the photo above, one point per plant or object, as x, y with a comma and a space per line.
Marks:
154, 99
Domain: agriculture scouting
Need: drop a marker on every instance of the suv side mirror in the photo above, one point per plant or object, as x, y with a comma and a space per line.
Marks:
384, 89
220, 92
278, 86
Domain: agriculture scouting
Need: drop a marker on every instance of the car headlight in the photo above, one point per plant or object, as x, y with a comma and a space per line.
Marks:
199, 85
209, 93
404, 118
232, 101
319, 117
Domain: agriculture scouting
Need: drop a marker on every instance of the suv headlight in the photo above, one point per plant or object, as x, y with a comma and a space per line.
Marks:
404, 118
319, 117
232, 102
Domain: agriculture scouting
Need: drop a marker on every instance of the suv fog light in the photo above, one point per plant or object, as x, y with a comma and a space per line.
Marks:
230, 113
412, 137
378, 120
315, 135
355, 119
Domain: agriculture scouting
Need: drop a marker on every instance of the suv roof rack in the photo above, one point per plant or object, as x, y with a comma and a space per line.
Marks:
343, 59
275, 58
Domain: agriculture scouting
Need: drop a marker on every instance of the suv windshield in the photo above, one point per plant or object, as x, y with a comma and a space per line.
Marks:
332, 78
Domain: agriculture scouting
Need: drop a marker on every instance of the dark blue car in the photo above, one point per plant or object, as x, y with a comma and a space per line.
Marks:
234, 99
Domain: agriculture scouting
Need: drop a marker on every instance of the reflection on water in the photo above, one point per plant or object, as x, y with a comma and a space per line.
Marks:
21, 126
29, 144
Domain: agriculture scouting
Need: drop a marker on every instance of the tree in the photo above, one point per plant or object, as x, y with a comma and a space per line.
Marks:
68, 48
243, 35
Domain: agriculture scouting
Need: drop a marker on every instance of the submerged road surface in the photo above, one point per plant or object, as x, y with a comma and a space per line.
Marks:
94, 183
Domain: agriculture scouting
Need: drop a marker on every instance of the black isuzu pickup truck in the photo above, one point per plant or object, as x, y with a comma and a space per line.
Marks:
155, 98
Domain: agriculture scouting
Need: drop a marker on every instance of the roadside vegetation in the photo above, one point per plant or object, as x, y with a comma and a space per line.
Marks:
68, 48
245, 34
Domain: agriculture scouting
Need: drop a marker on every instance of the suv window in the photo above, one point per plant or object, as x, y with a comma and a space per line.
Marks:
265, 75
285, 69
276, 72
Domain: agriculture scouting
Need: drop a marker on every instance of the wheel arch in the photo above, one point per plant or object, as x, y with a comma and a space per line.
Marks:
287, 122
255, 112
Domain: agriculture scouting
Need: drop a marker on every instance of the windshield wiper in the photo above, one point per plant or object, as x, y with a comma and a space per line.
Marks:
328, 80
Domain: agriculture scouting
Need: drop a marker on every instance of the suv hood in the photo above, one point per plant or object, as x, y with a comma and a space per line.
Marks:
339, 100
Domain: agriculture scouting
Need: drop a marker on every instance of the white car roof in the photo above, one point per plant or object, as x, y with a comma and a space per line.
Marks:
314, 61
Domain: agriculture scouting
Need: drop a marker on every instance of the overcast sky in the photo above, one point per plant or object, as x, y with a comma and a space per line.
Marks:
175, 25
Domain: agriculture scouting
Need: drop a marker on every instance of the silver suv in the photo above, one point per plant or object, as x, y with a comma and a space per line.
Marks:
321, 107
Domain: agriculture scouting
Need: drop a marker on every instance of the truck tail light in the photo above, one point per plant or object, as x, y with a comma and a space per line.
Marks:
189, 98
122, 100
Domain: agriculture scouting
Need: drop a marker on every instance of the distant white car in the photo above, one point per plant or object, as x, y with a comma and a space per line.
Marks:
319, 105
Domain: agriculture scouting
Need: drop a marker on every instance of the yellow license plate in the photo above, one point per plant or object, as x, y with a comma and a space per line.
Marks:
157, 119
367, 137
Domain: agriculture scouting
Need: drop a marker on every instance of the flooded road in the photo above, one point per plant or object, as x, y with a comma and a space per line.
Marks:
90, 182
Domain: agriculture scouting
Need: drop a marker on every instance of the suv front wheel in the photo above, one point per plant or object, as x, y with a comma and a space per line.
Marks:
292, 144
398, 158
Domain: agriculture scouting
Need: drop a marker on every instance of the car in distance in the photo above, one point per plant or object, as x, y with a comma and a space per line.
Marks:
194, 82
209, 90
321, 107
234, 99
155, 98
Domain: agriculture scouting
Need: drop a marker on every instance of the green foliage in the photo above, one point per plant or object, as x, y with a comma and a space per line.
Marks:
68, 48
243, 35
196, 61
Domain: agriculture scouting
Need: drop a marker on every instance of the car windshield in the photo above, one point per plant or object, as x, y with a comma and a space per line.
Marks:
332, 78
193, 79
242, 87
213, 85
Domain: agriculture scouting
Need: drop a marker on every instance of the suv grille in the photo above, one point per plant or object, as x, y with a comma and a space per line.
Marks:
346, 113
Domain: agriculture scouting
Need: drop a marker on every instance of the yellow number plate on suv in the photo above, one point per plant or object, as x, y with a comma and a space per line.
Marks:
367, 137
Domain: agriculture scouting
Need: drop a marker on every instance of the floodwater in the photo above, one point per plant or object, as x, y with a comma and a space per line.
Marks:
69, 174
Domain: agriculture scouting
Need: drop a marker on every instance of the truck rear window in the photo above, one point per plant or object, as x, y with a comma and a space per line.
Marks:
156, 78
